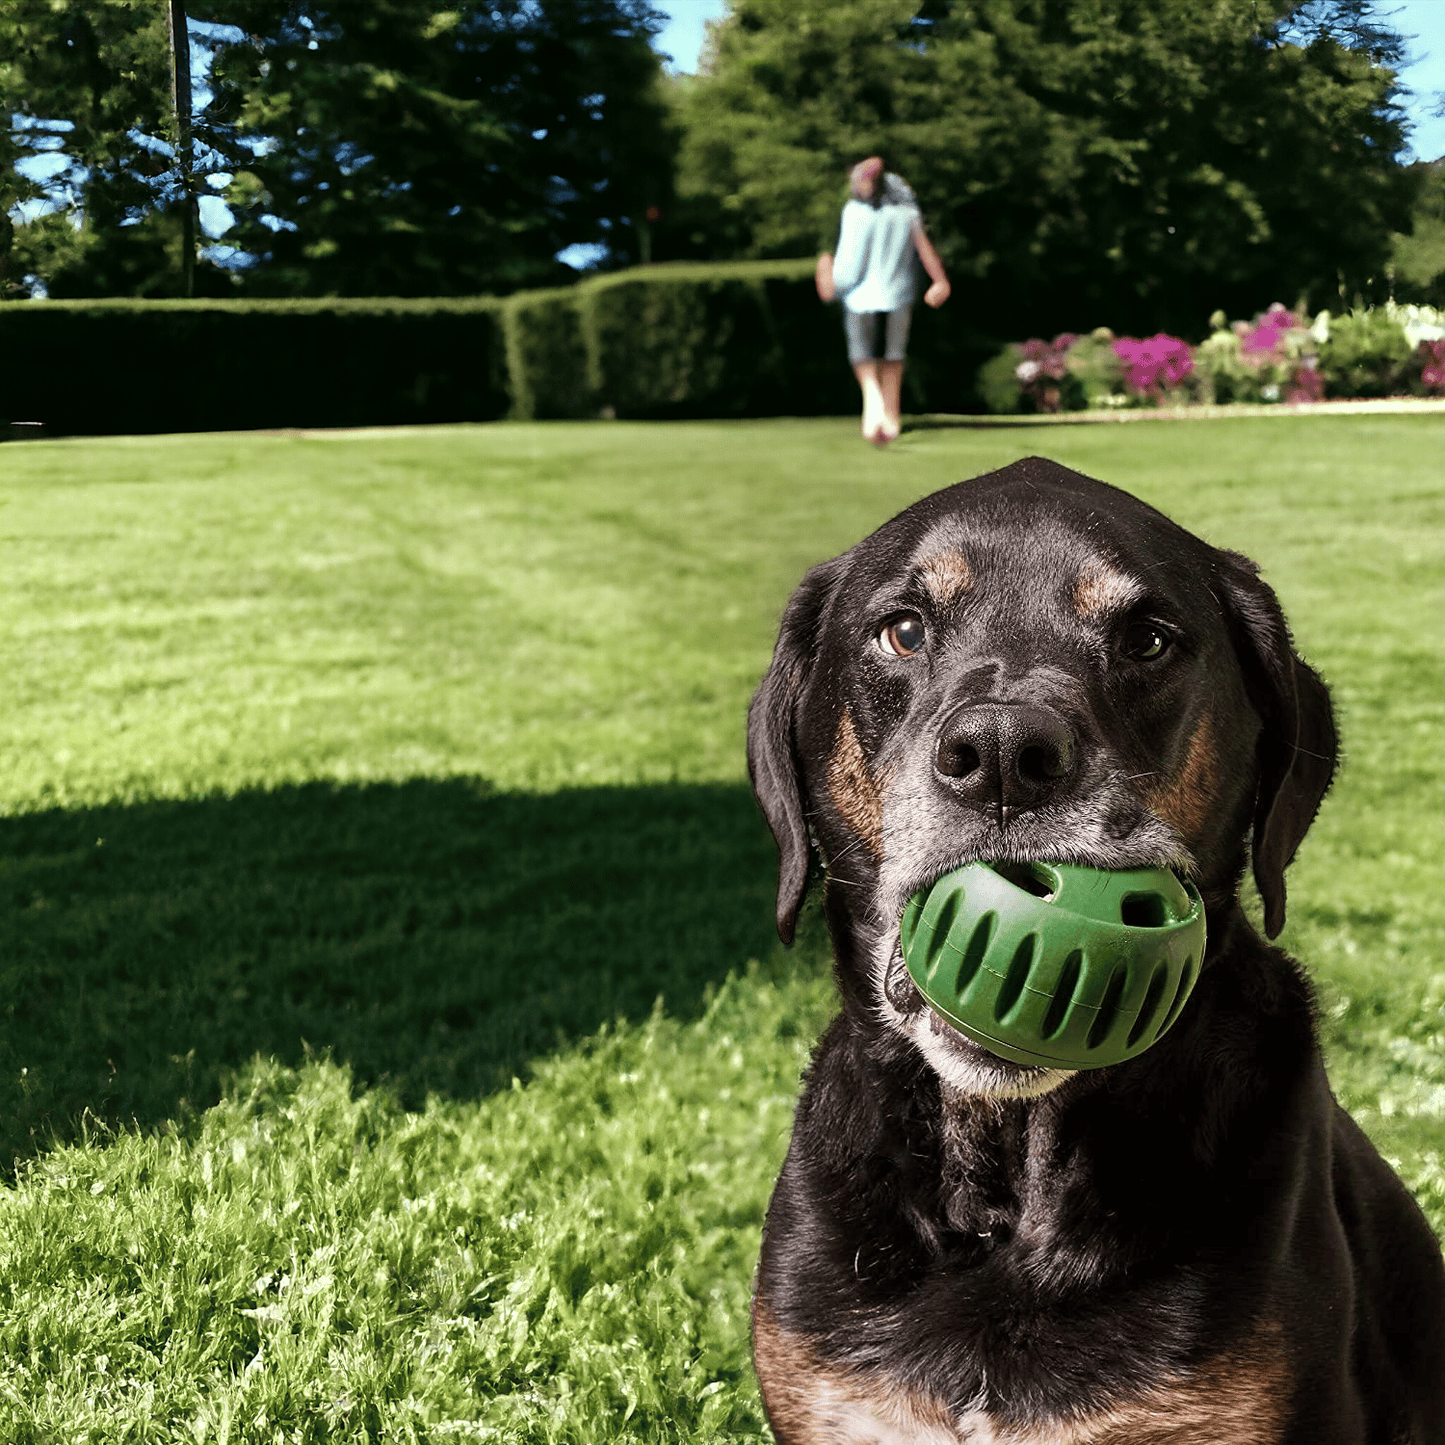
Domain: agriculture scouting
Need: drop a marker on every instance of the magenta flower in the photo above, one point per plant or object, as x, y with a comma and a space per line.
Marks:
1154, 366
1432, 373
1264, 337
1306, 386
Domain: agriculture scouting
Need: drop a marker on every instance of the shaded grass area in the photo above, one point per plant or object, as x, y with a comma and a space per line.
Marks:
416, 761
433, 935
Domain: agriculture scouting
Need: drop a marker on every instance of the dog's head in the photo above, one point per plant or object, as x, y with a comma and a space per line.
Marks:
1030, 665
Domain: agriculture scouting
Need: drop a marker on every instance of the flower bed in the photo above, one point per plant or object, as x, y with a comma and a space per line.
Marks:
1280, 356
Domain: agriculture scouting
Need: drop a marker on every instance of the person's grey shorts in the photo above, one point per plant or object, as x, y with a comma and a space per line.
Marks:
861, 329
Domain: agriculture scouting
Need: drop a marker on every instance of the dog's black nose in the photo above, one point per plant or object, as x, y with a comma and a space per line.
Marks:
1005, 758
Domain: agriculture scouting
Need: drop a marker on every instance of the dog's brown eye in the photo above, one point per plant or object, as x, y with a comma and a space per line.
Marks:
1144, 642
902, 637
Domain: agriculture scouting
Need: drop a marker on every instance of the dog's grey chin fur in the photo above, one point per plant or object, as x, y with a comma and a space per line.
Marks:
972, 1071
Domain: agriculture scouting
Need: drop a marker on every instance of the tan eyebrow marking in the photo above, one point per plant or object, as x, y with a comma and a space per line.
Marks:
853, 788
947, 576
1100, 589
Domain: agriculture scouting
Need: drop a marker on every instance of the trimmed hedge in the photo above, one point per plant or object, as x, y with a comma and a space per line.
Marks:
148, 366
675, 340
549, 375
681, 340
691, 339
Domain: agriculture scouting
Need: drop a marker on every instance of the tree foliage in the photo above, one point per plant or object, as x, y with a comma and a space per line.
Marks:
415, 148
87, 87
398, 147
1126, 162
1131, 162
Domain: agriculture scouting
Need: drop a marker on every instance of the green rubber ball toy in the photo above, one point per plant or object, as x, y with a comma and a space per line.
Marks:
1055, 965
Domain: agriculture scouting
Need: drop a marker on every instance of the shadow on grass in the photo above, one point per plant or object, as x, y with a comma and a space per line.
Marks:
432, 935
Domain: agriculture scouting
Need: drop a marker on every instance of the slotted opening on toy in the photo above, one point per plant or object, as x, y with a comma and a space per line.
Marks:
1144, 910
1109, 1009
942, 927
1063, 994
1014, 980
1151, 1004
1031, 877
1186, 980
973, 955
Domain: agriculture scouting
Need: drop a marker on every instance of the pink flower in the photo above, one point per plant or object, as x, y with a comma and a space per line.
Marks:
1306, 386
1047, 357
1432, 373
1043, 365
1268, 330
1156, 365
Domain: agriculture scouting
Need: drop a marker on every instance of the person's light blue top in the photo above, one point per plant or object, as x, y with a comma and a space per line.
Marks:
873, 269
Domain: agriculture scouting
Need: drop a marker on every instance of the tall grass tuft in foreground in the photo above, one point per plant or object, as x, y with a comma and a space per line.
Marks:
393, 1045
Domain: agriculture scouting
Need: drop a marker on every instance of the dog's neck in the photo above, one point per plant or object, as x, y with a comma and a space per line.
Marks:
985, 1147
1003, 1170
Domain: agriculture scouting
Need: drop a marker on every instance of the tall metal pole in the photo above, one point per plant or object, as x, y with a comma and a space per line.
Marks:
181, 98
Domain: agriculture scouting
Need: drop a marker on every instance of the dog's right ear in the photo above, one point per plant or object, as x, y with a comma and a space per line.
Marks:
1298, 746
773, 738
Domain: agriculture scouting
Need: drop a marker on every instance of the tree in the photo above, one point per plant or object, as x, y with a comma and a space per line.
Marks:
1135, 163
412, 148
1419, 256
178, 44
88, 87
398, 147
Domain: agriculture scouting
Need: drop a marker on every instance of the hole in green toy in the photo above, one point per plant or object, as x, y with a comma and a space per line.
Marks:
1180, 994
1015, 979
1063, 994
941, 927
1144, 910
1031, 877
1150, 1008
973, 955
1109, 1008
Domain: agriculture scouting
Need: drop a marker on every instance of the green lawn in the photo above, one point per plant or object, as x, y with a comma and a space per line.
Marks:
375, 836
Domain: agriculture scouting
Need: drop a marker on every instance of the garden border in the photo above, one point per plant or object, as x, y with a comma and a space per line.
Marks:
1346, 406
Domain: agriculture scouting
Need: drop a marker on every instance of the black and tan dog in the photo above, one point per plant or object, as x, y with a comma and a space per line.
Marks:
1194, 1246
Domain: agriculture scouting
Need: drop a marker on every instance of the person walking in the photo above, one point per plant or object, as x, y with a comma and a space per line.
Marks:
874, 276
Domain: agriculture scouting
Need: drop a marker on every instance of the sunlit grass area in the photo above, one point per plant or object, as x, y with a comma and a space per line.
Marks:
394, 1045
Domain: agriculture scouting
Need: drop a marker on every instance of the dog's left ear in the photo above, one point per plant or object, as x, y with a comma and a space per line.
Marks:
772, 738
1298, 748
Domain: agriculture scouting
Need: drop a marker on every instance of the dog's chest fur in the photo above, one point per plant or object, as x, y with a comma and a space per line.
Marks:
1237, 1399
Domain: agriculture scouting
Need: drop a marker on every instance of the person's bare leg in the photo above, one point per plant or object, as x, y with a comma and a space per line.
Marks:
875, 422
890, 384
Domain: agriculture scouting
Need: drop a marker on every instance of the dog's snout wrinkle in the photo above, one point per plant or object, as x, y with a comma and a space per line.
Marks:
1005, 759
